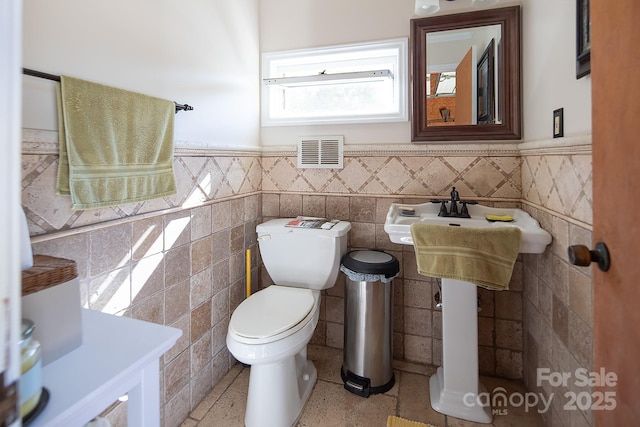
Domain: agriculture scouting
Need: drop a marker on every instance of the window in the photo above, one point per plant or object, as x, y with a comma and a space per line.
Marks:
357, 83
441, 84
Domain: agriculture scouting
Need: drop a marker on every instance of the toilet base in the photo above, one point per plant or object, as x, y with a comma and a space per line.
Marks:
278, 391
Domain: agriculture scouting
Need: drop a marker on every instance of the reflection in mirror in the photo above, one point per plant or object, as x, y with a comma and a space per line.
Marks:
466, 71
458, 92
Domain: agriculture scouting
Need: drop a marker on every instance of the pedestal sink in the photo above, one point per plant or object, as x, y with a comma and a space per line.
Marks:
455, 387
533, 239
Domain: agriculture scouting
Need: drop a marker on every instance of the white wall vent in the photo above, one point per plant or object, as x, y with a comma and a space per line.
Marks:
320, 152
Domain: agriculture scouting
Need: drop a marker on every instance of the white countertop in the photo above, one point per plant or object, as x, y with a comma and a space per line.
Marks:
111, 361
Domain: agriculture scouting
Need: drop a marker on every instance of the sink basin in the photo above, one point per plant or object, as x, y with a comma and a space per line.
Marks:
533, 239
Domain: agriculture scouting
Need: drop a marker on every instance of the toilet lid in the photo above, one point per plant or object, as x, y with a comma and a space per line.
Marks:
271, 311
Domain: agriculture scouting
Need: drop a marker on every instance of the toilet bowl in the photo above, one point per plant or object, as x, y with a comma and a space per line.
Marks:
270, 329
281, 377
285, 316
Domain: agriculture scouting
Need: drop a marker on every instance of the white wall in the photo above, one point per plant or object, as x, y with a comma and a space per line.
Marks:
549, 71
294, 24
198, 52
548, 58
10, 274
206, 54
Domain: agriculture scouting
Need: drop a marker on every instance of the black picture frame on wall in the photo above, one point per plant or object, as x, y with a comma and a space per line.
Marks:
583, 38
486, 85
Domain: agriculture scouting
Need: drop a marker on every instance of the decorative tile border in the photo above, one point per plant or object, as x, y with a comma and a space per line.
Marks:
41, 142
365, 150
199, 180
559, 179
473, 176
555, 178
560, 183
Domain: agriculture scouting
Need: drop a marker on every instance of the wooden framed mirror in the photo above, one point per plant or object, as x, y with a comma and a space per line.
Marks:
466, 76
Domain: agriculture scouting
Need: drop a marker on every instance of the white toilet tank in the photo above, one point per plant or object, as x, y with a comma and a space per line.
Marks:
302, 257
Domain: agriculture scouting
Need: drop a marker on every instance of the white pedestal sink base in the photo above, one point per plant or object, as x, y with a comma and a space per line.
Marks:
458, 376
449, 402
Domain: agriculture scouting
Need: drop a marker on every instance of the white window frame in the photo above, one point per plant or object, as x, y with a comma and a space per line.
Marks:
399, 76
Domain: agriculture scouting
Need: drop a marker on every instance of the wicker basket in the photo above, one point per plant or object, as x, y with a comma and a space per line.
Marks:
47, 271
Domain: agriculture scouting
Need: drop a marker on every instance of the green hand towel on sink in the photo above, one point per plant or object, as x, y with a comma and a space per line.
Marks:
116, 146
484, 256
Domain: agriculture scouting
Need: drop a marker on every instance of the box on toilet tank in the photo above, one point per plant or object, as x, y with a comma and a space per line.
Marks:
51, 299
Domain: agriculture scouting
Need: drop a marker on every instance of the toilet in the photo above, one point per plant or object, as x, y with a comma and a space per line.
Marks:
270, 330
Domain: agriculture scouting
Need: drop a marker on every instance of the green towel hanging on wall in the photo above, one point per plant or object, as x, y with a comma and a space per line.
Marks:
116, 146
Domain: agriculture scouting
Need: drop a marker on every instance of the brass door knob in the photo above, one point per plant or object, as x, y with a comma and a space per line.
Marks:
580, 255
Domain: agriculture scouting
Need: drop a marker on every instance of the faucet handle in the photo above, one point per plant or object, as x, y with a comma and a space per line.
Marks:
464, 212
443, 208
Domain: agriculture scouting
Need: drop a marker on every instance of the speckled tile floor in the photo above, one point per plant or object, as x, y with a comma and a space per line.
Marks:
409, 398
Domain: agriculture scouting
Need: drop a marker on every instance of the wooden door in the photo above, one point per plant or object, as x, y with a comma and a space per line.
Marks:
466, 90
615, 63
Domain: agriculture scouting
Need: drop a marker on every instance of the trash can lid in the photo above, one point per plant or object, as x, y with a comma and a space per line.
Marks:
371, 262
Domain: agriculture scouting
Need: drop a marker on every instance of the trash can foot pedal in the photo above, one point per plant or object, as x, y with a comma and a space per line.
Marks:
356, 384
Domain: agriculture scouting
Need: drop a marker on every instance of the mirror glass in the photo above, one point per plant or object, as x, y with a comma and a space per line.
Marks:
466, 76
461, 76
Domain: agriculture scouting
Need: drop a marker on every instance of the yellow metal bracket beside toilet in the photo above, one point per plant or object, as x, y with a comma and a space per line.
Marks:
248, 272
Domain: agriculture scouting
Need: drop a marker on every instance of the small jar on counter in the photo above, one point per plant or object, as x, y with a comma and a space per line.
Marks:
31, 369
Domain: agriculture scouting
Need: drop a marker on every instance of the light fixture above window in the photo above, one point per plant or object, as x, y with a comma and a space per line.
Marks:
427, 7
483, 3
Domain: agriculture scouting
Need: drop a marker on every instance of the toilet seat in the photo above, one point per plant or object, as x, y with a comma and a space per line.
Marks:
271, 314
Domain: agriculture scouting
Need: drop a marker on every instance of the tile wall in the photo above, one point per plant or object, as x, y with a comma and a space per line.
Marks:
558, 297
361, 193
180, 261
177, 261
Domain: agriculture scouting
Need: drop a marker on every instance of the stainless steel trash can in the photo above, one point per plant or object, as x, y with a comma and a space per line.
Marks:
368, 321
